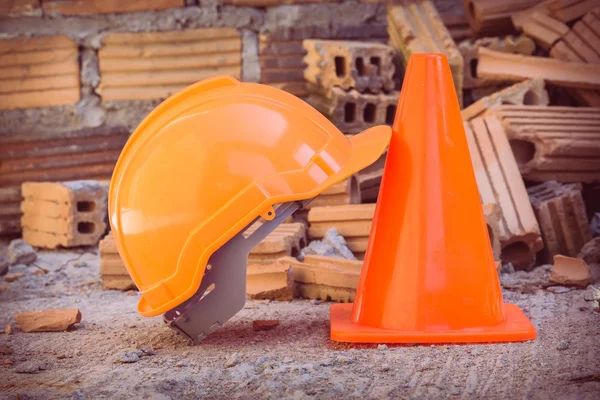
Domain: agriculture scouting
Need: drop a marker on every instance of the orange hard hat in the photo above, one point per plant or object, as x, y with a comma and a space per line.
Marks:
207, 163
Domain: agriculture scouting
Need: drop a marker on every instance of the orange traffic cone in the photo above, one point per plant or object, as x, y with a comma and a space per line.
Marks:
429, 273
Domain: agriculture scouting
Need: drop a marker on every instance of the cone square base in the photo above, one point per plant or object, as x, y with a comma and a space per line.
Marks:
516, 328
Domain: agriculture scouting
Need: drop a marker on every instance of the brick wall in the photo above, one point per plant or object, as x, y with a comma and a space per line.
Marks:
77, 76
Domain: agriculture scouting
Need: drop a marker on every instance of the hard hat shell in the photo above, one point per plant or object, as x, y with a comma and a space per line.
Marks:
207, 162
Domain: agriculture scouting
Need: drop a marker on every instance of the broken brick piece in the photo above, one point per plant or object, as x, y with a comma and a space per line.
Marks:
264, 325
20, 252
153, 65
569, 271
48, 320
345, 192
12, 276
516, 67
529, 92
273, 282
64, 214
112, 269
552, 142
590, 252
493, 17
359, 65
352, 111
326, 278
469, 50
38, 72
415, 27
561, 213
499, 182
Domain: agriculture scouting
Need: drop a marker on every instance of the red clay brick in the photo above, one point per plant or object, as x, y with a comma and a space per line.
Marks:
83, 7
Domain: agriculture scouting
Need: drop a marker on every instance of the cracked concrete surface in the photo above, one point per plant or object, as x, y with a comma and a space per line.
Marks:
294, 360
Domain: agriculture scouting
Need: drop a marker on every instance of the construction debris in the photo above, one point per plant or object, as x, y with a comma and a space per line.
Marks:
590, 252
332, 245
274, 282
516, 67
490, 17
264, 325
352, 111
529, 93
562, 217
569, 271
285, 240
469, 50
12, 276
19, 252
349, 65
353, 222
64, 214
112, 269
553, 143
592, 294
325, 278
416, 27
48, 320
500, 183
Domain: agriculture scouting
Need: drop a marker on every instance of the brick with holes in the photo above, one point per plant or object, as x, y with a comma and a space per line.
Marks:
66, 214
352, 111
561, 213
349, 65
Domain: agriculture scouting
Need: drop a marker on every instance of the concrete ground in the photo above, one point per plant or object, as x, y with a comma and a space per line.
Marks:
294, 360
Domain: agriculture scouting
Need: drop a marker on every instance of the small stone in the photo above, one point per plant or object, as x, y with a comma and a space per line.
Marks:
31, 367
8, 329
147, 351
385, 367
19, 252
3, 265
569, 271
382, 347
592, 293
129, 357
558, 289
48, 320
233, 360
5, 349
315, 302
12, 276
264, 325
80, 264
507, 268
563, 345
40, 272
590, 252
343, 360
131, 293
4, 287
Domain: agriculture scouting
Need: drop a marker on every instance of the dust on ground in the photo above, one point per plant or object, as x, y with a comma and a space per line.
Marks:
116, 353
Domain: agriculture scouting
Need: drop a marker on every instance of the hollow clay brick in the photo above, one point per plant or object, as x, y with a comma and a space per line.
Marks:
352, 111
369, 180
553, 143
359, 65
469, 50
153, 65
544, 29
499, 182
273, 281
493, 17
516, 67
530, 92
458, 26
561, 213
64, 214
326, 278
86, 7
345, 192
285, 240
38, 72
415, 27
